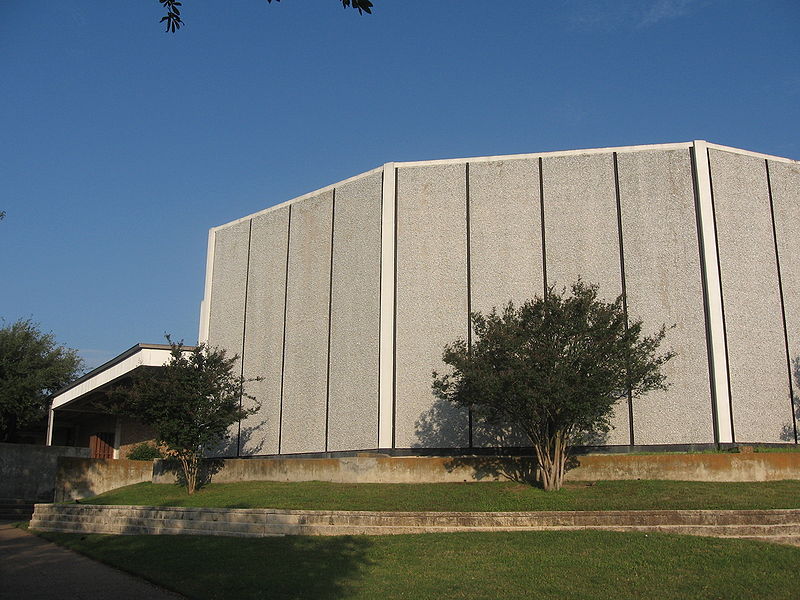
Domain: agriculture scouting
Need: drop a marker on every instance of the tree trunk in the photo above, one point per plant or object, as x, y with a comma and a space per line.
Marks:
551, 454
190, 466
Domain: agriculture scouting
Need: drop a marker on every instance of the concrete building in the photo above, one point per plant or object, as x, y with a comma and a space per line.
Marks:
343, 299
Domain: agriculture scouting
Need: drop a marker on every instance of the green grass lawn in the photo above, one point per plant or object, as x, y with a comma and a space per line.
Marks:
490, 496
507, 566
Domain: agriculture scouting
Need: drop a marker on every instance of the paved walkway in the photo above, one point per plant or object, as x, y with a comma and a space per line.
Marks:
32, 568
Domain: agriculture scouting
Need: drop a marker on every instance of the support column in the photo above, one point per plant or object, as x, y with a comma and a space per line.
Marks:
205, 304
117, 436
386, 368
51, 416
712, 283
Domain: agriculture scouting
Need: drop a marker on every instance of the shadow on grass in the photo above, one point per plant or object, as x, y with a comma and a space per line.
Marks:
320, 567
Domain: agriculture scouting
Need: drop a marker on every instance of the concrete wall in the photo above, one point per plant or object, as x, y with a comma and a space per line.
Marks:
355, 316
754, 330
505, 252
77, 478
431, 300
296, 290
28, 472
228, 294
785, 191
383, 469
264, 330
664, 286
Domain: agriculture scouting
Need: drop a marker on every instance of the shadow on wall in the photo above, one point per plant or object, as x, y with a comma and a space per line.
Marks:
788, 430
500, 451
78, 478
172, 469
238, 443
172, 466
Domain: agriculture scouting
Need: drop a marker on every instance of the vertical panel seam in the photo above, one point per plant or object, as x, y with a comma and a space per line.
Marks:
722, 296
541, 210
394, 309
330, 306
706, 304
783, 305
244, 334
624, 291
285, 304
469, 291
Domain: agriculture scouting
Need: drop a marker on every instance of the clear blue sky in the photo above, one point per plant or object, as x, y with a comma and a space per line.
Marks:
121, 145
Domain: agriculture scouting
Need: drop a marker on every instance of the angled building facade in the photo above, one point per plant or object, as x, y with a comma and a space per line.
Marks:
343, 299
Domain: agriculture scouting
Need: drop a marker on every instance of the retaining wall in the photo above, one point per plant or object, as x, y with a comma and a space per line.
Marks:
77, 478
28, 471
594, 467
781, 525
84, 477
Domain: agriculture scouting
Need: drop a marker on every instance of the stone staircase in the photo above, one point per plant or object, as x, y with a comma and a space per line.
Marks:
15, 509
780, 526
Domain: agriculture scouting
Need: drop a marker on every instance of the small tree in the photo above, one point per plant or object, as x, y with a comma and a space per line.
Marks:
554, 368
32, 366
190, 403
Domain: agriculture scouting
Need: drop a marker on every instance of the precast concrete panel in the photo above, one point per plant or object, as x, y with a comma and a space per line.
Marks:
785, 180
582, 237
505, 233
306, 347
751, 300
505, 249
431, 300
263, 339
228, 289
664, 286
355, 316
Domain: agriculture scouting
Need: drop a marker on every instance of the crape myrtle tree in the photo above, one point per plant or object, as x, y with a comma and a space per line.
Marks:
32, 367
189, 403
554, 368
174, 21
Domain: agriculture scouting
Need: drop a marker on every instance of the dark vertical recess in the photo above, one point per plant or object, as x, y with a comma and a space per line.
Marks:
544, 237
330, 307
283, 346
624, 288
721, 297
380, 307
394, 309
469, 293
783, 305
706, 306
244, 333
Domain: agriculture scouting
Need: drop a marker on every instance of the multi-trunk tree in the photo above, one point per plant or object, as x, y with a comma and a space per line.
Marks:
553, 368
190, 403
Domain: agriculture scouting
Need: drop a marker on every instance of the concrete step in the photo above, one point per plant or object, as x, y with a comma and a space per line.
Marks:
775, 524
209, 527
154, 529
541, 518
753, 531
534, 519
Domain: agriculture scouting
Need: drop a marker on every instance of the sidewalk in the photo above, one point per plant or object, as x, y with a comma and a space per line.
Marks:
32, 568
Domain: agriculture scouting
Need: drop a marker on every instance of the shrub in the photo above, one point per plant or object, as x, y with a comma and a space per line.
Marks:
145, 451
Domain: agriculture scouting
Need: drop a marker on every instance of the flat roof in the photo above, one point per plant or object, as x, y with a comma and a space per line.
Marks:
139, 355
